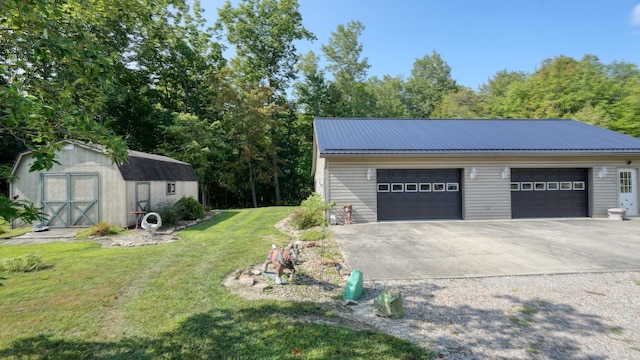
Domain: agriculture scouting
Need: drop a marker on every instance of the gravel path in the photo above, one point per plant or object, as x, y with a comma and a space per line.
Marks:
577, 316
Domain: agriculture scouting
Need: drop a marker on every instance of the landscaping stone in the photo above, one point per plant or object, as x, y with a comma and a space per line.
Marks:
354, 287
389, 304
262, 287
247, 281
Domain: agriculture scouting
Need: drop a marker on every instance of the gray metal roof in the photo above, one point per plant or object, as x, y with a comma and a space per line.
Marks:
427, 136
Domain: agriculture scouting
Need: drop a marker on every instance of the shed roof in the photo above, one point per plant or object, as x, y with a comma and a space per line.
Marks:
446, 136
140, 166
147, 167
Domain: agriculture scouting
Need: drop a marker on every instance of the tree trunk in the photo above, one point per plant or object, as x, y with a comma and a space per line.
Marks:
252, 183
276, 182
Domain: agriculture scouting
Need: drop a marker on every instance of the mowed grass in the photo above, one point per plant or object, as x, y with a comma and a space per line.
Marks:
168, 301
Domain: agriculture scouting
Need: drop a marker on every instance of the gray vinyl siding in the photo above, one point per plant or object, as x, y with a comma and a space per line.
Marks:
349, 185
320, 178
488, 196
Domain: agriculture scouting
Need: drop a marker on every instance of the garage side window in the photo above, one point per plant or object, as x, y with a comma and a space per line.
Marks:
383, 187
171, 187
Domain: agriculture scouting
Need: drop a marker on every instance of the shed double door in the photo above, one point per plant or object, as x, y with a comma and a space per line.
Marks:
69, 200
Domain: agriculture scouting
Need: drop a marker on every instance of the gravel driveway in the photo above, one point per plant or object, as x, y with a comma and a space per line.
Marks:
570, 316
576, 296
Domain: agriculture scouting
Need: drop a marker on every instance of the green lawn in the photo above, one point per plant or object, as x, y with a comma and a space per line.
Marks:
167, 301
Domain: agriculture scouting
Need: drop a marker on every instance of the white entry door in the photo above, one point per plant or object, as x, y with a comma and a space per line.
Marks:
627, 191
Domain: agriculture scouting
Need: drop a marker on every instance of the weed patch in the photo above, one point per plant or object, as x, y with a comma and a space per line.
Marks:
27, 263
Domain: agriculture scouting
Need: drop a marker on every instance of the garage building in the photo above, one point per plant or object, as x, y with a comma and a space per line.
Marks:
426, 169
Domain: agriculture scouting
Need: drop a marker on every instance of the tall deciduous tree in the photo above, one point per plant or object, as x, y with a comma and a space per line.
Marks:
389, 96
314, 95
263, 33
343, 54
461, 104
429, 82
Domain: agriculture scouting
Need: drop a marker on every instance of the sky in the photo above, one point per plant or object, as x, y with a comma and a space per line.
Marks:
475, 38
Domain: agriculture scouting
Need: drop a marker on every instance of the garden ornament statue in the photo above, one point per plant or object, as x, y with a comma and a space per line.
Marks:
282, 258
151, 227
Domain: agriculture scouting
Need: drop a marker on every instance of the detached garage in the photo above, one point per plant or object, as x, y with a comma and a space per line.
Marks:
422, 169
86, 187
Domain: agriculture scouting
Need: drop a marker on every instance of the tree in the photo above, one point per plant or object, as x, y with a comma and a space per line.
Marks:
314, 95
461, 104
57, 64
263, 34
493, 94
349, 71
389, 96
201, 144
429, 82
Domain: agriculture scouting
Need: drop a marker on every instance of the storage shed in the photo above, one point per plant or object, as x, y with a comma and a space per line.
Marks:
86, 187
424, 169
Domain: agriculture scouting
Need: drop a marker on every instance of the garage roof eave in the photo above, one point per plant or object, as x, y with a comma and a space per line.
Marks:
518, 152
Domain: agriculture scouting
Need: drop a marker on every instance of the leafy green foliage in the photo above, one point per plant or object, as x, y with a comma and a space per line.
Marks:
18, 209
310, 213
168, 212
189, 208
27, 263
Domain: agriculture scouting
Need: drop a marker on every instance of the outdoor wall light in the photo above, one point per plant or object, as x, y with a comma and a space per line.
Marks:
505, 172
369, 173
603, 172
473, 173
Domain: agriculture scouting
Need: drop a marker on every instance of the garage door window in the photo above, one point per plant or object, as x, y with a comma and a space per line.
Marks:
540, 186
565, 185
438, 187
578, 185
397, 187
526, 186
452, 187
515, 186
411, 187
425, 187
553, 185
383, 187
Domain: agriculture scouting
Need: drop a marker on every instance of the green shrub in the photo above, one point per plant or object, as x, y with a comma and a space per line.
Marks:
26, 263
310, 213
189, 209
168, 212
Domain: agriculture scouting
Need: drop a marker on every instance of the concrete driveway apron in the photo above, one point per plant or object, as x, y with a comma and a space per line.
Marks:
454, 249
